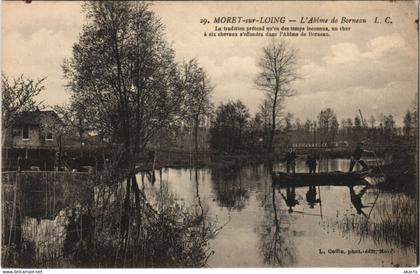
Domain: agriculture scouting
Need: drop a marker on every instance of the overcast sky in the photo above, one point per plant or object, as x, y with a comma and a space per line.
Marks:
373, 67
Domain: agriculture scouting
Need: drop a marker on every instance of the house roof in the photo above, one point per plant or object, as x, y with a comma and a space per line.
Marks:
34, 118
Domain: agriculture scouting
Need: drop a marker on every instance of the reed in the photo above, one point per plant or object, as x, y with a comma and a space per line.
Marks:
74, 220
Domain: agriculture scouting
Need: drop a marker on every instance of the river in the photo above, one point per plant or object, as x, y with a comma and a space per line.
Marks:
258, 229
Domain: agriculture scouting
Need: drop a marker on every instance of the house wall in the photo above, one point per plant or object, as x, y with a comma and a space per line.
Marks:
33, 139
8, 140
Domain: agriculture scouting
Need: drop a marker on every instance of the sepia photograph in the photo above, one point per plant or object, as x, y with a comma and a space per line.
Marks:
209, 134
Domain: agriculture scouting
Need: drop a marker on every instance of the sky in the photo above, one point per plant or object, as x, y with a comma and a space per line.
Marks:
372, 67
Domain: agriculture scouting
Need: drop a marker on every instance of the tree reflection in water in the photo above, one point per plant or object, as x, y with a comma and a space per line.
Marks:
275, 245
160, 233
229, 188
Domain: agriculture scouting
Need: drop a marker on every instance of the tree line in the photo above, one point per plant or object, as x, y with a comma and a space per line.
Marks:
235, 130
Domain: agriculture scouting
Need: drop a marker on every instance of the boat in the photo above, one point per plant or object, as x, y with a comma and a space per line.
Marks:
335, 178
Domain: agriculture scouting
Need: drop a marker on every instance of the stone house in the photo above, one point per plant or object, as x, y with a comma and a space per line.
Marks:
35, 129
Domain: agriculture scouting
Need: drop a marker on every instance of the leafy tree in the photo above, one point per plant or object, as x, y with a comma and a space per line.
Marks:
298, 124
357, 122
52, 124
343, 129
389, 125
256, 131
264, 111
334, 128
198, 90
76, 118
372, 121
349, 122
228, 128
256, 123
308, 125
328, 125
124, 70
408, 121
288, 126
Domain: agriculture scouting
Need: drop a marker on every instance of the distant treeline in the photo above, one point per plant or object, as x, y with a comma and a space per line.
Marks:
233, 130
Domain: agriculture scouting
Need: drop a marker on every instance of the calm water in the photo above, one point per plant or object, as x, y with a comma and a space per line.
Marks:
258, 230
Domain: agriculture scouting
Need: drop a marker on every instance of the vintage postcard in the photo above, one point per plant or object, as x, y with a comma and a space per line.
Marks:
209, 134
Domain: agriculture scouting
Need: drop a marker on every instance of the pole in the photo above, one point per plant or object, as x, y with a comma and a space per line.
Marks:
379, 192
363, 120
305, 213
319, 189
320, 201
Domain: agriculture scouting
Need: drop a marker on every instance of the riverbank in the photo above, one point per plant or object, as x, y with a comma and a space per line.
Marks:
401, 175
94, 159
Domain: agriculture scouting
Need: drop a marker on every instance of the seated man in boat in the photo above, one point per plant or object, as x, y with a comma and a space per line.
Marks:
290, 198
356, 200
291, 160
356, 157
311, 163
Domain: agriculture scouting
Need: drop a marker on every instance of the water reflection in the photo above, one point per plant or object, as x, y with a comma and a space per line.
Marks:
276, 246
261, 224
311, 197
231, 191
392, 222
290, 198
356, 200
265, 232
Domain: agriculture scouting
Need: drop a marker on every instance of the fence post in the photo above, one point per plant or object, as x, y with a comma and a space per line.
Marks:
12, 220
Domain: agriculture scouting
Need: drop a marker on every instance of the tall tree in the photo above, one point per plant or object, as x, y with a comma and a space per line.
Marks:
357, 122
18, 95
389, 125
349, 122
228, 128
334, 129
372, 121
408, 122
288, 126
76, 118
198, 90
328, 124
298, 124
52, 124
343, 128
264, 110
256, 123
277, 66
308, 125
124, 69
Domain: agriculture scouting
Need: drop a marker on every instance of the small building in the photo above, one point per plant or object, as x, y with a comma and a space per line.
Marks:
36, 129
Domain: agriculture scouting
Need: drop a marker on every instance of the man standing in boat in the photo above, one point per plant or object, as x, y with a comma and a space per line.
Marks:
291, 160
356, 157
311, 163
